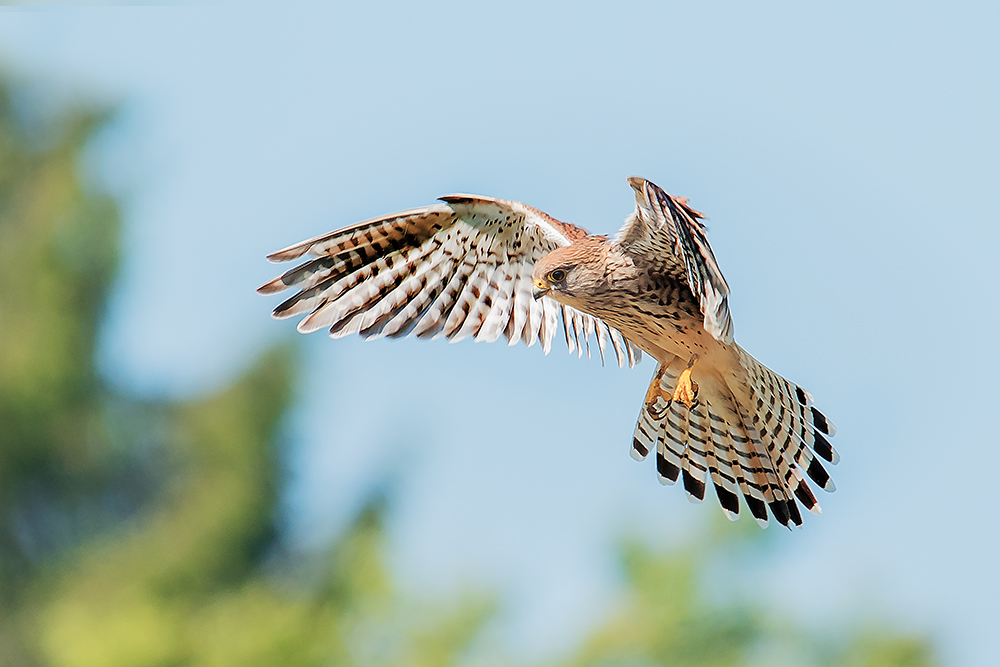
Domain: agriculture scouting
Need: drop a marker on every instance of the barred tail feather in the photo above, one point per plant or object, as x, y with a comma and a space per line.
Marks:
761, 446
694, 461
720, 463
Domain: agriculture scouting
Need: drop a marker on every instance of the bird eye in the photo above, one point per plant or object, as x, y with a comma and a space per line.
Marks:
557, 276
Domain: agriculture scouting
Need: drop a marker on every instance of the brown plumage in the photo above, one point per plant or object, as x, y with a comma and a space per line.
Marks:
485, 268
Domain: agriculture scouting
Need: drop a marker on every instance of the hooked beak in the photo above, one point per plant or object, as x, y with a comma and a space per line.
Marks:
541, 289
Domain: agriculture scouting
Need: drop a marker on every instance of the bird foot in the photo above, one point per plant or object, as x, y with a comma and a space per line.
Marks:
687, 390
654, 406
658, 401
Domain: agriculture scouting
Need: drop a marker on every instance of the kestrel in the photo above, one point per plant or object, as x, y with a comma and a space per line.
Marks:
483, 267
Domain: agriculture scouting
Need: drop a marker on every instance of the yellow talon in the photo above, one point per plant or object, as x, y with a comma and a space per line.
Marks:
655, 392
686, 390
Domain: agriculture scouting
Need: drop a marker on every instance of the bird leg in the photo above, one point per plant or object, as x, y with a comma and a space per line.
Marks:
687, 390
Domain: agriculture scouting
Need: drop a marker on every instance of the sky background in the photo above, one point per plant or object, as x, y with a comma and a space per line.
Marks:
846, 155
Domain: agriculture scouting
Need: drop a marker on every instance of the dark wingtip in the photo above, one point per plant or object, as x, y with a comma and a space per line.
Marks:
291, 252
284, 309
272, 286
459, 198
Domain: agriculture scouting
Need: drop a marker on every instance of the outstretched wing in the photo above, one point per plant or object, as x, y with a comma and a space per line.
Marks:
665, 230
456, 269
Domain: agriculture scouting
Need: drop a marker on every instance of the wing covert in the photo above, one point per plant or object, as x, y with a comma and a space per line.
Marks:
458, 269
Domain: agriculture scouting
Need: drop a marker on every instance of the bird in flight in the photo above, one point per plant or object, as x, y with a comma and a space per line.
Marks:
480, 267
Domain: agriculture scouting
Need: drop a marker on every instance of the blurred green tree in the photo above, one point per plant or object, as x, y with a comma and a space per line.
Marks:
668, 617
142, 533
58, 246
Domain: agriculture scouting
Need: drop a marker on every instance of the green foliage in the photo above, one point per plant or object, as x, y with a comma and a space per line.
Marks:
668, 618
58, 251
143, 532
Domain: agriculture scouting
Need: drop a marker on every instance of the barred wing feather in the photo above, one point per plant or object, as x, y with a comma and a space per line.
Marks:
664, 230
458, 269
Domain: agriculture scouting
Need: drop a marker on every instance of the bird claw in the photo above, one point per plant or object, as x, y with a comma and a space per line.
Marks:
687, 390
655, 393
657, 413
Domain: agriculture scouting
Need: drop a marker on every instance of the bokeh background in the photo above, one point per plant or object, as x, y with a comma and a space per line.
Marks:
186, 481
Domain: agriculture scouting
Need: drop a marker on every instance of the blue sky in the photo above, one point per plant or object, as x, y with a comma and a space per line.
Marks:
846, 155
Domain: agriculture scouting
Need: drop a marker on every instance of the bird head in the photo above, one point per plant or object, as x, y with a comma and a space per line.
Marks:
569, 273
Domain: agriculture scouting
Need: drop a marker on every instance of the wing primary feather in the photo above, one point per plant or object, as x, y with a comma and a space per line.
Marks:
479, 294
447, 292
602, 339
618, 344
588, 332
432, 323
663, 226
550, 321
499, 314
567, 326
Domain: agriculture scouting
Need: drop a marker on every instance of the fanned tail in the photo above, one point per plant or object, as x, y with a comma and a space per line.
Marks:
762, 449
